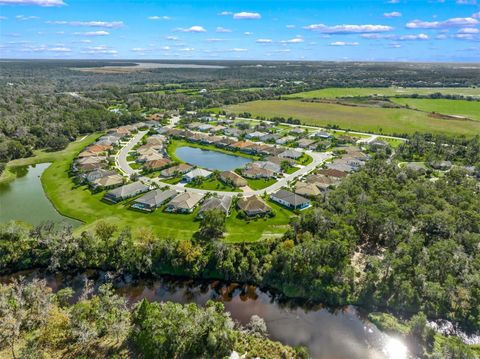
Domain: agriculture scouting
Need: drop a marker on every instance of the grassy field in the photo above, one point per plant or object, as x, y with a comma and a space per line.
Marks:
366, 119
80, 203
384, 91
470, 109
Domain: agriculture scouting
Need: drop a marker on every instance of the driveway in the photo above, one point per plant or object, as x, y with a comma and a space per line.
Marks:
121, 157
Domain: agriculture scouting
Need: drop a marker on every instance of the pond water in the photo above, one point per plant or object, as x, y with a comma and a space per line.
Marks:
212, 160
341, 333
24, 199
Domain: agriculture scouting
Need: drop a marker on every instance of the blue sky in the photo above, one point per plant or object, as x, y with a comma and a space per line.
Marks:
389, 30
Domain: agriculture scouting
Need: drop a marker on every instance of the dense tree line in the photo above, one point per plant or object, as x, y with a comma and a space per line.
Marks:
36, 323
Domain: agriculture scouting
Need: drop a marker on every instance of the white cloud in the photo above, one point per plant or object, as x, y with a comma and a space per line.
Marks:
166, 48
377, 36
44, 48
187, 49
395, 46
413, 37
60, 49
85, 41
104, 24
441, 37
226, 13
222, 29
348, 29
195, 28
467, 2
476, 15
92, 33
172, 38
24, 18
264, 41
3, 18
392, 14
45, 3
155, 17
343, 43
248, 33
469, 30
454, 22
101, 49
393, 1
247, 16
290, 26
214, 40
295, 40
236, 49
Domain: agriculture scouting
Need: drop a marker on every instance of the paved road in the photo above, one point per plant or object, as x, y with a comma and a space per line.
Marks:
121, 156
123, 165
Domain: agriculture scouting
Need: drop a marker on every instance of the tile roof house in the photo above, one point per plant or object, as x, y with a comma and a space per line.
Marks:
230, 177
267, 165
285, 140
175, 170
156, 165
290, 200
307, 189
291, 154
321, 181
255, 134
107, 182
196, 173
125, 191
305, 143
256, 172
222, 203
321, 134
184, 202
149, 156
153, 199
253, 206
96, 174
332, 173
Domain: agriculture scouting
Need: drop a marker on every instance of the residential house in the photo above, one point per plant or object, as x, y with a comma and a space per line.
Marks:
196, 173
126, 191
256, 173
255, 134
307, 189
204, 127
290, 200
441, 165
153, 199
107, 182
232, 178
332, 173
253, 206
298, 131
305, 143
273, 167
184, 202
222, 203
269, 137
284, 140
293, 154
279, 160
321, 134
217, 129
90, 177
156, 165
149, 156
176, 170
321, 181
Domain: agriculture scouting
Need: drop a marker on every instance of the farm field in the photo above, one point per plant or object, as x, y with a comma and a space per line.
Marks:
366, 119
384, 91
470, 109
79, 203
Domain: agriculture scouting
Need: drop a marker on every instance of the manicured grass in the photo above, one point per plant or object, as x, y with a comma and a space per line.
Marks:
384, 91
135, 165
305, 159
470, 109
213, 184
366, 119
41, 156
394, 143
80, 203
260, 183
291, 170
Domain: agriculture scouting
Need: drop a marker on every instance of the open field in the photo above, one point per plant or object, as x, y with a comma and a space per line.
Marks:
384, 91
366, 119
470, 109
80, 203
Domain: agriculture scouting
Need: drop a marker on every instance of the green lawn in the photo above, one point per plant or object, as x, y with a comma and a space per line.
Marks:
80, 203
384, 91
213, 184
305, 159
291, 170
367, 119
394, 143
470, 109
260, 183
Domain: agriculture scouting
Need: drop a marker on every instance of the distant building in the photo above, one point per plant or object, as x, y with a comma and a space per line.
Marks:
290, 200
126, 191
184, 202
232, 178
196, 173
253, 206
221, 203
153, 199
291, 154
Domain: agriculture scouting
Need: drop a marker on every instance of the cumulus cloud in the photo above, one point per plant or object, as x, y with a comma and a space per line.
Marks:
92, 33
25, 18
215, 40
44, 48
476, 15
413, 37
237, 49
172, 38
222, 29
104, 24
264, 41
247, 15
44, 3
226, 13
195, 28
290, 26
348, 29
392, 14
454, 22
3, 18
467, 2
155, 17
343, 43
100, 50
395, 46
248, 33
295, 40
469, 30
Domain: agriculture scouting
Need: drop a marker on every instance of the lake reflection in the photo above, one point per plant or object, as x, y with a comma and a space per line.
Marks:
212, 160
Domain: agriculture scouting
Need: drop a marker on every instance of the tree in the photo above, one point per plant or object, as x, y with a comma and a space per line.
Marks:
105, 230
213, 224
